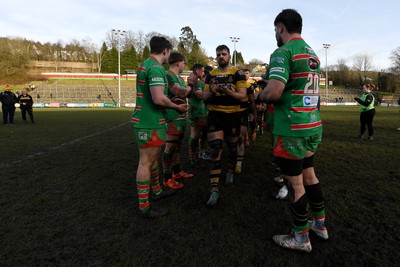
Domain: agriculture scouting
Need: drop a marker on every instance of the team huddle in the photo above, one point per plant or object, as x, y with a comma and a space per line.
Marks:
223, 103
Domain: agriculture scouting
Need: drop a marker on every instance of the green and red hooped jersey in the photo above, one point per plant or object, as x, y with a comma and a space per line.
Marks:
296, 112
198, 108
172, 114
147, 114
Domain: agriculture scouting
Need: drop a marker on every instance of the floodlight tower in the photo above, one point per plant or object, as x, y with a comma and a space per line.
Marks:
119, 33
234, 40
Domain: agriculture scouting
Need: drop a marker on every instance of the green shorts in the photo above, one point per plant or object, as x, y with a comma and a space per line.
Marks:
295, 147
149, 137
198, 122
176, 127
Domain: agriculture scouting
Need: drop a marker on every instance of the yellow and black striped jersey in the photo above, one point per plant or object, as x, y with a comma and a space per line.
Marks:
234, 79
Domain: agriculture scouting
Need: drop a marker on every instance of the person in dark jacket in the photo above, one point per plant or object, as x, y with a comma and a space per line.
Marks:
26, 103
8, 100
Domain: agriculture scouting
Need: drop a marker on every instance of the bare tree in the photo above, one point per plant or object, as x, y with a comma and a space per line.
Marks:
90, 49
75, 51
174, 41
129, 40
395, 57
363, 65
341, 73
111, 39
254, 63
14, 56
140, 42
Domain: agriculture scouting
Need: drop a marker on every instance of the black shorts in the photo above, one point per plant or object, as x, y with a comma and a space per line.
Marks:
229, 123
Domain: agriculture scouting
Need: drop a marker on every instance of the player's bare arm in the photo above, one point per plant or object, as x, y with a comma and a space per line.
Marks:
239, 94
199, 94
272, 92
157, 94
180, 91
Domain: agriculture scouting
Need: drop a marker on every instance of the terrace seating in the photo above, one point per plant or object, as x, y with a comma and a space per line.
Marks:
82, 94
341, 95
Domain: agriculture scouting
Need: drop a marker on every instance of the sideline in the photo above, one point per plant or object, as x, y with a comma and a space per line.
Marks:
41, 153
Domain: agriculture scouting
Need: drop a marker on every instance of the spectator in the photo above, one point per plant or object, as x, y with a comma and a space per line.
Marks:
26, 104
367, 109
8, 100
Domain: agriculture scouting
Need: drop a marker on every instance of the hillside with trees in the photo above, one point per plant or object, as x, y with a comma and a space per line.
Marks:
22, 60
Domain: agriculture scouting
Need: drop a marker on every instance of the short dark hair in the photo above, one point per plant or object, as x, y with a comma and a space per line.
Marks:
207, 69
223, 47
158, 44
197, 66
175, 57
291, 19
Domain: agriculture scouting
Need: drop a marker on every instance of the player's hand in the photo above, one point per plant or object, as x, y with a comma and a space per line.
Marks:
182, 108
222, 88
214, 87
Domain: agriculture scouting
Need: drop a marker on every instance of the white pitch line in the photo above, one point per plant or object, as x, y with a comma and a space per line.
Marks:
41, 153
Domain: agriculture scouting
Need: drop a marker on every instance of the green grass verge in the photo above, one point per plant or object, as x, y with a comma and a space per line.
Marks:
68, 198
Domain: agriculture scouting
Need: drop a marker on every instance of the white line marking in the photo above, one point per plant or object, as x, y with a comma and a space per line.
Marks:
41, 153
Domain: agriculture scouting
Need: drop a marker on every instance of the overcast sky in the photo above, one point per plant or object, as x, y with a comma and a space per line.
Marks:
351, 27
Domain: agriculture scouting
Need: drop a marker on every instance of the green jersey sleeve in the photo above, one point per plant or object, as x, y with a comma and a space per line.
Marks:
280, 65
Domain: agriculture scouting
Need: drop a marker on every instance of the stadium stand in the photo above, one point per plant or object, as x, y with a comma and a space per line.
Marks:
340, 95
82, 94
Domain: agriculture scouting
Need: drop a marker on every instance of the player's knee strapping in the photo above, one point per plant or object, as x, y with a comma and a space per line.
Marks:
309, 162
215, 146
290, 167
